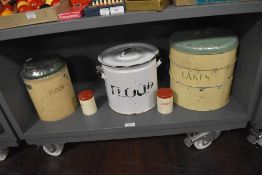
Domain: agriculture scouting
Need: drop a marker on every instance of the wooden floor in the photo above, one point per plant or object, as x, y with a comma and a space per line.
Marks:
230, 154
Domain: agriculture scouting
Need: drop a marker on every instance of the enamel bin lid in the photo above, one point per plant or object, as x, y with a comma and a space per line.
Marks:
128, 55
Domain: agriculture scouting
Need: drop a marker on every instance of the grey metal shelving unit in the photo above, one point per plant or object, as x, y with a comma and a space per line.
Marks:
8, 137
256, 123
80, 41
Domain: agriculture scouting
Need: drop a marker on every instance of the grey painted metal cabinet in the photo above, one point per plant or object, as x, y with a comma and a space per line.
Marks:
8, 137
80, 42
255, 136
256, 122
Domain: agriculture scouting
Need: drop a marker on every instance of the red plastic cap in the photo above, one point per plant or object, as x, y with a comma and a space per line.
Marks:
164, 93
85, 95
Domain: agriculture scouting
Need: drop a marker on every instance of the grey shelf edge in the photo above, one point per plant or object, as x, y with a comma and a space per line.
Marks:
137, 134
132, 18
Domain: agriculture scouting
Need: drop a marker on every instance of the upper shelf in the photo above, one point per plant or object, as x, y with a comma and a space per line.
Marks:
132, 18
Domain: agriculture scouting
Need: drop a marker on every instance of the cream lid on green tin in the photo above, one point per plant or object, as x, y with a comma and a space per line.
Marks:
204, 41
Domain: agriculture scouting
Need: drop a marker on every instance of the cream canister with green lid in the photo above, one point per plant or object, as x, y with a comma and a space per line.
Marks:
201, 67
49, 85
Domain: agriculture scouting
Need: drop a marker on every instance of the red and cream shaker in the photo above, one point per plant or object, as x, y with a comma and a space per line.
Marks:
165, 100
87, 102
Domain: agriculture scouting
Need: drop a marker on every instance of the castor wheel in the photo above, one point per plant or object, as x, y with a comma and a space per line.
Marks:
201, 140
3, 153
53, 149
260, 142
255, 137
202, 144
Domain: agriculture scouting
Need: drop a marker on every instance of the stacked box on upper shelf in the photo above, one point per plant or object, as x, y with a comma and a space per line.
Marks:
146, 5
201, 2
105, 8
34, 16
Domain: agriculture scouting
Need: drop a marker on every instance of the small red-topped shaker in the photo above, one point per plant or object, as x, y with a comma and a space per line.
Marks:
87, 102
165, 100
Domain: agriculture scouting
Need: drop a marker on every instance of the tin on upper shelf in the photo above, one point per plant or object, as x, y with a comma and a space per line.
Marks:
201, 2
201, 67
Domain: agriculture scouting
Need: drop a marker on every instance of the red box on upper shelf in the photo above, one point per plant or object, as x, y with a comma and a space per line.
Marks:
72, 13
75, 11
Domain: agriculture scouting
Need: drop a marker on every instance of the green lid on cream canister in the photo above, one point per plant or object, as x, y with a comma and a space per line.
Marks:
42, 66
204, 41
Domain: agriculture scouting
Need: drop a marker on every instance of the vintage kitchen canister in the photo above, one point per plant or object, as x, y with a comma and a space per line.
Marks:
130, 73
201, 67
49, 85
87, 102
165, 100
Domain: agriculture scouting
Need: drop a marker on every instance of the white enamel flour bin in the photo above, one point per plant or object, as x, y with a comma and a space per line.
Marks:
130, 74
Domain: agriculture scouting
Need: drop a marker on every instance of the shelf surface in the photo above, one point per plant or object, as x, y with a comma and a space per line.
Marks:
170, 13
106, 121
